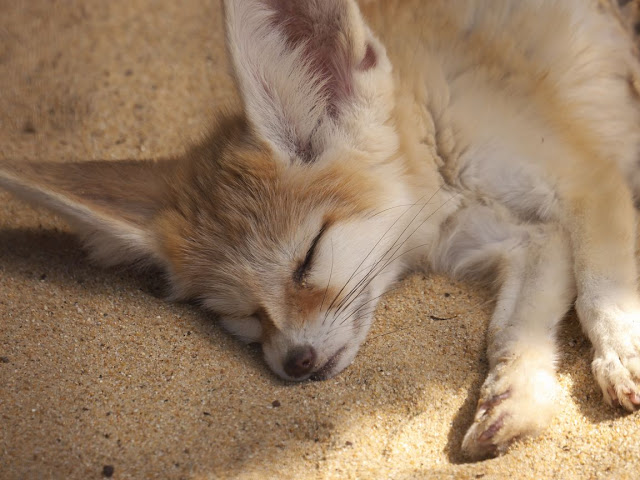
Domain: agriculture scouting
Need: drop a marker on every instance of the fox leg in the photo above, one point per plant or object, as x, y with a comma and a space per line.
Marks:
603, 234
518, 397
534, 276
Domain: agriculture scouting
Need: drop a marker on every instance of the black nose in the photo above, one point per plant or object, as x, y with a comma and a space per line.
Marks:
300, 361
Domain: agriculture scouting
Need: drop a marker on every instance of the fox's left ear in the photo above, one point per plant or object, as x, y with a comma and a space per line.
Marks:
112, 204
311, 74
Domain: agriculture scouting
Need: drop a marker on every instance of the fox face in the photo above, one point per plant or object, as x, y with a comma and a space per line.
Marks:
295, 260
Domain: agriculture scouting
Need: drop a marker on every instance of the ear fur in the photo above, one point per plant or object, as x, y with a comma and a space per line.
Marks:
111, 203
296, 64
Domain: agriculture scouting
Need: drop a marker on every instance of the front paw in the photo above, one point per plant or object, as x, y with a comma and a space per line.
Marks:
616, 365
516, 401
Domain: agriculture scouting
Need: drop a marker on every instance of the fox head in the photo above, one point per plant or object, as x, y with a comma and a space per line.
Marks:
288, 222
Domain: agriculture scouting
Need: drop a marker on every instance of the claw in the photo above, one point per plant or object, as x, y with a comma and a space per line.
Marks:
612, 397
616, 363
490, 432
486, 407
630, 399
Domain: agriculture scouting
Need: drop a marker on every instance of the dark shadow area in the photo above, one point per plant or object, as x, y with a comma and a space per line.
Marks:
45, 254
464, 417
56, 256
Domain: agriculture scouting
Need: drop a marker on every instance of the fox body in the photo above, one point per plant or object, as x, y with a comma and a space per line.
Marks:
497, 141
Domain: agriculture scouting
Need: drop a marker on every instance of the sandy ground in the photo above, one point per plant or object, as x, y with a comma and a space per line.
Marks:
99, 375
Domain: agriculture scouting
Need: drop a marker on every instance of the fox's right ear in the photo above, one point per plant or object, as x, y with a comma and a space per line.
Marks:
112, 204
310, 73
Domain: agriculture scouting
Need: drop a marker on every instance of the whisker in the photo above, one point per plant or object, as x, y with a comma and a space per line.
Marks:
410, 327
417, 203
373, 274
324, 297
391, 208
394, 289
394, 258
417, 228
392, 245
360, 311
346, 327
414, 231
370, 252
357, 296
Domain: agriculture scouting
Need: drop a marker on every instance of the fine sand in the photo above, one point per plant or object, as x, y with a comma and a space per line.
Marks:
100, 376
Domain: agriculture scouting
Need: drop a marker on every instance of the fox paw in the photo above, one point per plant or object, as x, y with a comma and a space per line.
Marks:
616, 366
514, 403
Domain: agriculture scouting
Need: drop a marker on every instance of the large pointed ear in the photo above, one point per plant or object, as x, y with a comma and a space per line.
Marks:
310, 73
110, 203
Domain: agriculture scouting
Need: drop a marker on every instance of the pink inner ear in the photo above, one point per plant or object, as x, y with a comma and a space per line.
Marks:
370, 59
321, 26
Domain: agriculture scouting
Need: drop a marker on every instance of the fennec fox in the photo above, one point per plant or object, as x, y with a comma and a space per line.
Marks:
493, 140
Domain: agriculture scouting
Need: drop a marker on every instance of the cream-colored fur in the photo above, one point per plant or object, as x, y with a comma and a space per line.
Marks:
496, 141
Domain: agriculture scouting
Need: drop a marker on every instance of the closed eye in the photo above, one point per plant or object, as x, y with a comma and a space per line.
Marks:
300, 273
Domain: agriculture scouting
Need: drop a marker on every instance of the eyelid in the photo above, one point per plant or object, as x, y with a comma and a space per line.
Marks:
302, 270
